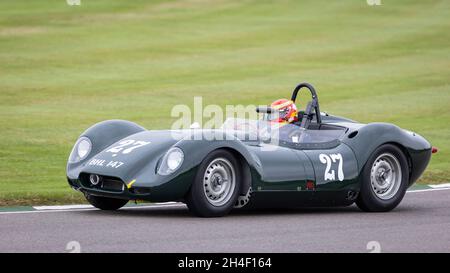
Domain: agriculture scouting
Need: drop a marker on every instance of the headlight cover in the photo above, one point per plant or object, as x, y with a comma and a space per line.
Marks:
171, 161
80, 150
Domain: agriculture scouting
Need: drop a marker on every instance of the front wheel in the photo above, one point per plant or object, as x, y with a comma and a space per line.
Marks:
385, 180
105, 203
216, 186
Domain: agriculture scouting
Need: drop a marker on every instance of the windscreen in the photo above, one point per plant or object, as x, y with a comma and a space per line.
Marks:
263, 130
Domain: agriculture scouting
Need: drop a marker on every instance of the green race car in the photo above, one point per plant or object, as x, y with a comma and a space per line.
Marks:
322, 160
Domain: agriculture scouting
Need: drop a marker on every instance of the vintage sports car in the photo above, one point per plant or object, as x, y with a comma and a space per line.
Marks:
323, 160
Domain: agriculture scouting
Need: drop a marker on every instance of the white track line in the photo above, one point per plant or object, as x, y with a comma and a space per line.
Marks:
171, 205
440, 186
425, 190
64, 207
67, 207
42, 211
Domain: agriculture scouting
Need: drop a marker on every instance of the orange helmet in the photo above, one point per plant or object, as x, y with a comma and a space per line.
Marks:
287, 111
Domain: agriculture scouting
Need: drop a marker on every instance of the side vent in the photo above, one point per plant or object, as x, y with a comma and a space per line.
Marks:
352, 134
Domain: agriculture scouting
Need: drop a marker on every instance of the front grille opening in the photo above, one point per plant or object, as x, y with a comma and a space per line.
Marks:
139, 190
112, 184
105, 183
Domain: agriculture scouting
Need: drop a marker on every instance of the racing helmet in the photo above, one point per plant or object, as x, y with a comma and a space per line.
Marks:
287, 111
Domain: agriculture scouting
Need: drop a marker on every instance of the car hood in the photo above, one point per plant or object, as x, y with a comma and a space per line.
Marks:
127, 157
137, 156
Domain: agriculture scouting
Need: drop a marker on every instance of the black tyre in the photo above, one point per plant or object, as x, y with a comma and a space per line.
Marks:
105, 203
385, 179
216, 186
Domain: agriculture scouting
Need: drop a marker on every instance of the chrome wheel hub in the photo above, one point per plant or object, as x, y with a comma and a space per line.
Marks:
219, 182
386, 176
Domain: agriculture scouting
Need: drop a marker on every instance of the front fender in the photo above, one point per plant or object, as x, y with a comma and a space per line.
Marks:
102, 135
372, 135
200, 144
196, 145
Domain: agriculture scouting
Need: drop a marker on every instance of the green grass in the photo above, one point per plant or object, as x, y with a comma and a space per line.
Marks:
64, 68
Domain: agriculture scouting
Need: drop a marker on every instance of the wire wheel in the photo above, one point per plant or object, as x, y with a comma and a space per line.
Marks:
219, 182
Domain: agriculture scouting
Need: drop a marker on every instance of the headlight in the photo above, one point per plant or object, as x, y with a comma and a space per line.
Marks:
171, 161
80, 150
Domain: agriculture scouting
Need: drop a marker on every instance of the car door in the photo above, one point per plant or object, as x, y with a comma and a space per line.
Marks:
281, 168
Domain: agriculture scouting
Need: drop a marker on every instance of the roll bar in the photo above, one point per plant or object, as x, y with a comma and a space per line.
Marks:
313, 104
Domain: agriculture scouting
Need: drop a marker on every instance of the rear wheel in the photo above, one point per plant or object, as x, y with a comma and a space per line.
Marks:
105, 203
216, 186
385, 179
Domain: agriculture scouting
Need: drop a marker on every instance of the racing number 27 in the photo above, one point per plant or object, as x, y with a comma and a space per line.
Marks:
124, 144
328, 160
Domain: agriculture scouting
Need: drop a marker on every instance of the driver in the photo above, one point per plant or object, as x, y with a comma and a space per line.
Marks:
287, 111
286, 114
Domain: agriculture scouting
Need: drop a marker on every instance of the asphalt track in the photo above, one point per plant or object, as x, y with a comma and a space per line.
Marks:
420, 224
